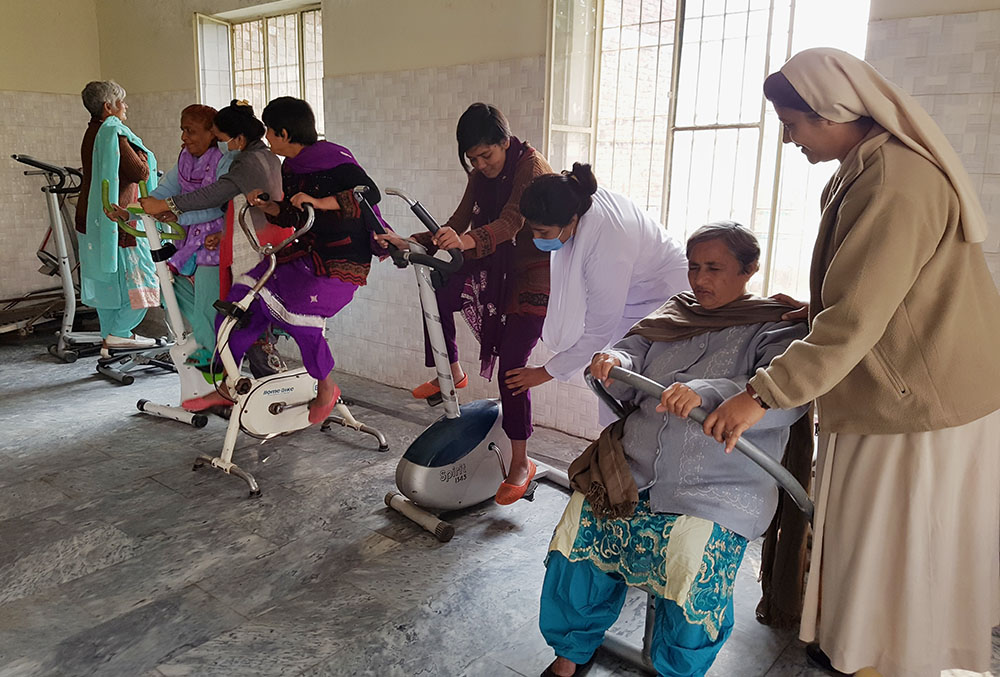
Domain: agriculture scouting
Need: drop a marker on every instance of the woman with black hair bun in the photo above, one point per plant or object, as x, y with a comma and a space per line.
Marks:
251, 165
611, 265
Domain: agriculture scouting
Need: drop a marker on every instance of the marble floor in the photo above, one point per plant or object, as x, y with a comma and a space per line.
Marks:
117, 559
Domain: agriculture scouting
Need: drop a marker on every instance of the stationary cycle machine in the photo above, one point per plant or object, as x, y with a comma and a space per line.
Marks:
461, 459
194, 382
639, 657
23, 313
274, 405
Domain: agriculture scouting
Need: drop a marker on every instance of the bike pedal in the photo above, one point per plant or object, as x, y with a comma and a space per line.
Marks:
529, 493
435, 399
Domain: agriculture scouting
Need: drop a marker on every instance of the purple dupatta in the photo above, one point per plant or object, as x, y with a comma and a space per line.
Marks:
194, 173
323, 156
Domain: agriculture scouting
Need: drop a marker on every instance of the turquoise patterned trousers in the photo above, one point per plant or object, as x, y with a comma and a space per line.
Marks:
580, 602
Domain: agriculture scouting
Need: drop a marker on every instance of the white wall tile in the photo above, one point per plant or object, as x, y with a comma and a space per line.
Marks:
401, 127
48, 127
951, 64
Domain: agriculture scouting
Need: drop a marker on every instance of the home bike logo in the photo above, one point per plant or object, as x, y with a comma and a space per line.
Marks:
278, 391
454, 474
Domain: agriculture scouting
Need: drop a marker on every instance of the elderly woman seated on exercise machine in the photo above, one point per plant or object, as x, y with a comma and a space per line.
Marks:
658, 504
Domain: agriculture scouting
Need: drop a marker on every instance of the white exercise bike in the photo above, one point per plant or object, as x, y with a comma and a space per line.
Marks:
274, 405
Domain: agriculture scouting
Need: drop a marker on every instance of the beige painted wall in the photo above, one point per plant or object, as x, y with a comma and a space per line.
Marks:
900, 9
377, 36
148, 45
49, 45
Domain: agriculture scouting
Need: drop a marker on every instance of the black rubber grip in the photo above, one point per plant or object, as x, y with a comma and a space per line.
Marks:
164, 252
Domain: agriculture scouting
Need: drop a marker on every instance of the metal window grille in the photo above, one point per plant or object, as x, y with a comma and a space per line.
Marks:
272, 56
680, 124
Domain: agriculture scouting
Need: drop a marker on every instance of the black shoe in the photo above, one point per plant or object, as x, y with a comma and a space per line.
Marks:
580, 671
818, 659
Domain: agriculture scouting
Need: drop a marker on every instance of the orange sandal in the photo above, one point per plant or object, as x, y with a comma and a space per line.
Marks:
512, 493
325, 413
431, 388
197, 404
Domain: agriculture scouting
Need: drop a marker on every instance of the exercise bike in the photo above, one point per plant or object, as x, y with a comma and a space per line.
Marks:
460, 459
21, 314
278, 404
194, 382
640, 656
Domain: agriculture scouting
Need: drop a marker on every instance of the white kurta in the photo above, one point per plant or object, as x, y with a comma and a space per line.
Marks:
618, 267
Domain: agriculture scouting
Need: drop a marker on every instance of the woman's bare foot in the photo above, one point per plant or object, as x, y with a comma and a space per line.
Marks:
518, 472
327, 394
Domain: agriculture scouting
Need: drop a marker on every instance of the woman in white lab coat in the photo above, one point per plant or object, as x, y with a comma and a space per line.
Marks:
611, 265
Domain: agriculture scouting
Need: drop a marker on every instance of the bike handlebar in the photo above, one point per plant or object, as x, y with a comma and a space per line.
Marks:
447, 267
268, 249
177, 231
780, 474
63, 173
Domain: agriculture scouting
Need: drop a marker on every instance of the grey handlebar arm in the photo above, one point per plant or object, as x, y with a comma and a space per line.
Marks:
780, 474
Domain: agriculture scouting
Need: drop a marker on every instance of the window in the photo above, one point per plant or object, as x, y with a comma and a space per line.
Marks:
262, 57
680, 124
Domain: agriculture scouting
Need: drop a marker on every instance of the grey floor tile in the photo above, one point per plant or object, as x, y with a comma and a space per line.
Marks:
116, 559
31, 626
308, 566
26, 497
487, 667
40, 555
792, 663
285, 640
140, 640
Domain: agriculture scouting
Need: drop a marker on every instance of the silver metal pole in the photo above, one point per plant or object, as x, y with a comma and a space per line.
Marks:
781, 475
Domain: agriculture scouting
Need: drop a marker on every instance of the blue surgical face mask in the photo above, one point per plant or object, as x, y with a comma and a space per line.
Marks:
548, 245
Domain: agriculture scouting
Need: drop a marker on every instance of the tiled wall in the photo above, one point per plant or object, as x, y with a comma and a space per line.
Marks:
48, 127
951, 65
401, 126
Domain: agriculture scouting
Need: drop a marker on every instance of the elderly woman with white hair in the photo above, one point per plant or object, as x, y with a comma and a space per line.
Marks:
117, 275
902, 359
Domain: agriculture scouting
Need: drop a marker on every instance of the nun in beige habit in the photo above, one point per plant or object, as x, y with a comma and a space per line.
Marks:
903, 360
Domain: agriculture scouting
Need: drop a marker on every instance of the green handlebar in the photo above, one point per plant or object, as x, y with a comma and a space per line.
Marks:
177, 231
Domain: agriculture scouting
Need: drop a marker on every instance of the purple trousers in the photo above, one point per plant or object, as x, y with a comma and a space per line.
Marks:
520, 335
296, 301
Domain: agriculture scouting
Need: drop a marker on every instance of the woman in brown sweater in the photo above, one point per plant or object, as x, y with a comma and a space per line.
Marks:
503, 288
120, 284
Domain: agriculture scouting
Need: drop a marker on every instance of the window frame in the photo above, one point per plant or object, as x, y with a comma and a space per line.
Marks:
680, 20
263, 17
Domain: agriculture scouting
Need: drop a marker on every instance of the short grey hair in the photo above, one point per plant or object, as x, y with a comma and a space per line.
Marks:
738, 239
100, 92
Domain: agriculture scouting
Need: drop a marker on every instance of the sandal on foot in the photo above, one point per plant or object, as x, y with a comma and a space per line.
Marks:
320, 417
512, 493
581, 669
425, 390
196, 404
